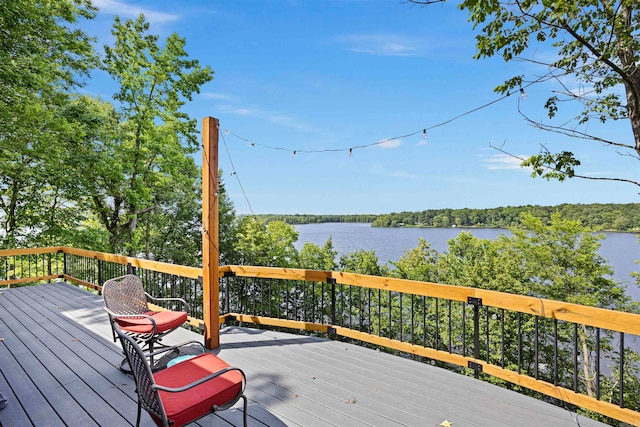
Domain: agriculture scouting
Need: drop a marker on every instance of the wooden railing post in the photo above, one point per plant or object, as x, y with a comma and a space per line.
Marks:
210, 251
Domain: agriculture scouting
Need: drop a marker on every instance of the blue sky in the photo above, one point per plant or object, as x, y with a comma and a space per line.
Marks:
320, 77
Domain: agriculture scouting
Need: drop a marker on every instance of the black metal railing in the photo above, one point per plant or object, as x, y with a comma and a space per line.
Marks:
21, 267
587, 360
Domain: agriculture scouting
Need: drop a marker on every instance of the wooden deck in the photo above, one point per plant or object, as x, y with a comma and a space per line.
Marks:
58, 368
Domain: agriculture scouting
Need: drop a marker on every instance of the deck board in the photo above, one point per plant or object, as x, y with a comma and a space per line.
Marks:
58, 367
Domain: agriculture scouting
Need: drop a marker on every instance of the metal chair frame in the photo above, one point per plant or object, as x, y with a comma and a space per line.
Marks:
125, 297
147, 388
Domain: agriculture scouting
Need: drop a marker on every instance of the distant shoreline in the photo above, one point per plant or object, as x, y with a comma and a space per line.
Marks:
609, 217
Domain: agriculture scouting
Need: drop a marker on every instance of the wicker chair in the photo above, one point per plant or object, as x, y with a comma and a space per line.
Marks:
126, 303
185, 391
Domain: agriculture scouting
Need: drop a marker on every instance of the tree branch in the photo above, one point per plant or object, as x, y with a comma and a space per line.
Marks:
573, 133
549, 168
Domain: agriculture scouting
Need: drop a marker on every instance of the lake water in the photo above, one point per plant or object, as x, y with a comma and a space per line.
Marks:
620, 249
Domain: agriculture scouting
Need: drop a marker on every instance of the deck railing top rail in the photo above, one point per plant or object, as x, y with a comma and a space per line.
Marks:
585, 315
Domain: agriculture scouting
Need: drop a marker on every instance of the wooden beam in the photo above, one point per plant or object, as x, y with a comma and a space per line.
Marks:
210, 250
160, 267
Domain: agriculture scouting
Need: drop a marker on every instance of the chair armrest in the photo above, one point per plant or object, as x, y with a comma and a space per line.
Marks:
200, 381
185, 304
124, 316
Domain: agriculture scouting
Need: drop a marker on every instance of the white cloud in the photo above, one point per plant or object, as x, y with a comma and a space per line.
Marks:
132, 11
241, 111
380, 45
403, 174
393, 143
269, 116
504, 162
215, 95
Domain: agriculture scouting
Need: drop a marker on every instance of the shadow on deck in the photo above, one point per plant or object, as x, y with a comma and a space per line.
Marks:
58, 367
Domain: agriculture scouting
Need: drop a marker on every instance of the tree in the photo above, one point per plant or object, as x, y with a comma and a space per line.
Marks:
597, 42
227, 226
314, 257
270, 245
362, 262
418, 263
148, 165
43, 57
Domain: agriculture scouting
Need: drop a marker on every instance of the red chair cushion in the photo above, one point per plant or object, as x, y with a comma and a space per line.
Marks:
189, 405
165, 321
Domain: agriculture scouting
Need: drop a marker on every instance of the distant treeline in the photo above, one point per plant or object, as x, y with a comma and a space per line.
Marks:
317, 219
596, 216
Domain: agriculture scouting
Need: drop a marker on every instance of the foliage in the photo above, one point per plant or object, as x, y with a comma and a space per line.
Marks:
226, 224
314, 257
597, 217
363, 262
317, 219
419, 263
270, 245
38, 69
150, 161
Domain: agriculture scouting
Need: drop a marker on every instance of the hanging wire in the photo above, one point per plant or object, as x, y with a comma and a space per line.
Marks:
384, 141
234, 172
326, 150
423, 132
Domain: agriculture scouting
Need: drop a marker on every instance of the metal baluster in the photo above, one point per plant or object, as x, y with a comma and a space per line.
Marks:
487, 329
555, 351
379, 312
519, 341
598, 363
424, 321
575, 357
535, 369
464, 330
450, 329
502, 337
621, 379
437, 334
390, 303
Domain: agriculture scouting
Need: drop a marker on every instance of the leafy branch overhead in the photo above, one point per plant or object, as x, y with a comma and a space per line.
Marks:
593, 42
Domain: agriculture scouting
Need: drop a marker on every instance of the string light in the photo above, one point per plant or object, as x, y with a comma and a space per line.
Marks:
523, 94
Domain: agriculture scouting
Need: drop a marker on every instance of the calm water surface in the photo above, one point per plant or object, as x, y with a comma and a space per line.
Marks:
620, 249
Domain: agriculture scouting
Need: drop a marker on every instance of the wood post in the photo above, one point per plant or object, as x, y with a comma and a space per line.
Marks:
210, 249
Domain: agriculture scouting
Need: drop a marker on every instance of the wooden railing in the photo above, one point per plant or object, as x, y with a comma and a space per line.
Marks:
91, 269
527, 342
